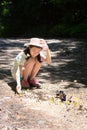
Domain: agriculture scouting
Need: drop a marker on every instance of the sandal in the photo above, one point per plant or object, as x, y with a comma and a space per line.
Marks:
34, 83
25, 84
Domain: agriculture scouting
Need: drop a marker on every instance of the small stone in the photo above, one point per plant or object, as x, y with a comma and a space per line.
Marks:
75, 81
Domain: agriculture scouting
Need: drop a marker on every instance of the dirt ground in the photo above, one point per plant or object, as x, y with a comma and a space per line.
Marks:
40, 109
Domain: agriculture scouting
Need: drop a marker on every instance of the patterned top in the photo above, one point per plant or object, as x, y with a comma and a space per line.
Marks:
19, 60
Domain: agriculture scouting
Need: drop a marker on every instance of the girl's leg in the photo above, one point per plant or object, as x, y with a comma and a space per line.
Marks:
35, 69
24, 82
33, 82
32, 66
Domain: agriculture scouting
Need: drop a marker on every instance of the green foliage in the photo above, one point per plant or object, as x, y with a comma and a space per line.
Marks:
43, 17
77, 30
59, 30
1, 30
5, 8
4, 16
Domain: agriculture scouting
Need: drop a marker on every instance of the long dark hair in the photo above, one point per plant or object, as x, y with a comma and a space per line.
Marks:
27, 52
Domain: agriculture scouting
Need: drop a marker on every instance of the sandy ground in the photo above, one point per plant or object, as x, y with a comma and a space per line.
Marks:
39, 109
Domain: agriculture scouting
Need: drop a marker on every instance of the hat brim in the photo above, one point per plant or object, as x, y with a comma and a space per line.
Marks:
35, 45
29, 44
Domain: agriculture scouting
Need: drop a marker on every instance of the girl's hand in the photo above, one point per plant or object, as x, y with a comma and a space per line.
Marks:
18, 89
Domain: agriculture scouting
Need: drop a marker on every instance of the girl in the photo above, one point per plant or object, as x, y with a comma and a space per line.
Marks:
28, 62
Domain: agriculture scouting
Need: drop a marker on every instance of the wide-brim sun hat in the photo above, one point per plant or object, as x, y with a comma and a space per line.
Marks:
36, 42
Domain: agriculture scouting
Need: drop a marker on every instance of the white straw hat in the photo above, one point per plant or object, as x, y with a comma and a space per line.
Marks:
36, 42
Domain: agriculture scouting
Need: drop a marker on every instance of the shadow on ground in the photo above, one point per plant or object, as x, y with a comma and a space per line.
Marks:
69, 61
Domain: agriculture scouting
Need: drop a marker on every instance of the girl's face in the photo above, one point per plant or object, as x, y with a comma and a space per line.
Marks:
34, 51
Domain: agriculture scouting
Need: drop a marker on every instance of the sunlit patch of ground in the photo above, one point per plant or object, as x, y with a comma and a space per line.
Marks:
39, 108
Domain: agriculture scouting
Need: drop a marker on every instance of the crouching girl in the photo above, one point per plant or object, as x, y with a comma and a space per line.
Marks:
28, 62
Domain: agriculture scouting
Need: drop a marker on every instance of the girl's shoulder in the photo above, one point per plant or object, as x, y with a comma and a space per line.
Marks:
21, 57
21, 54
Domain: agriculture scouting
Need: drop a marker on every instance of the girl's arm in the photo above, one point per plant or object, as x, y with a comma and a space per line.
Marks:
45, 54
18, 87
48, 56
